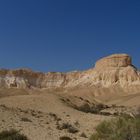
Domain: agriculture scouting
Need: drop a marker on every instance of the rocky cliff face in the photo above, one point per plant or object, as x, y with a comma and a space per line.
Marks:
116, 60
109, 71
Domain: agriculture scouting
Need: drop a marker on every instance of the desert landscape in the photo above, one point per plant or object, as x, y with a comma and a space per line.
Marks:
54, 105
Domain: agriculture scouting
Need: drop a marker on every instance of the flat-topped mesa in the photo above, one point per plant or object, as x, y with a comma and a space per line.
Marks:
108, 71
115, 60
116, 69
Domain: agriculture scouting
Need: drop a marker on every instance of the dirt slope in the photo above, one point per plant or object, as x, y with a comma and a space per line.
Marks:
44, 116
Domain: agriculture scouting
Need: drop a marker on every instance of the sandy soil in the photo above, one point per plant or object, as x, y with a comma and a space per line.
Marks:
43, 116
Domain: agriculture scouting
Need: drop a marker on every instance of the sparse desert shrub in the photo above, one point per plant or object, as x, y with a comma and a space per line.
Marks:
138, 112
122, 128
25, 120
34, 114
83, 135
91, 108
63, 126
85, 108
69, 127
65, 138
73, 129
12, 135
77, 123
55, 117
106, 113
113, 106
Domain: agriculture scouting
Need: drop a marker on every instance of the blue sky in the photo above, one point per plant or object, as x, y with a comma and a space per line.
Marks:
65, 35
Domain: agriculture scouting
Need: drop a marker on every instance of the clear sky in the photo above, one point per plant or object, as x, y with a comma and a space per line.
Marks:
65, 35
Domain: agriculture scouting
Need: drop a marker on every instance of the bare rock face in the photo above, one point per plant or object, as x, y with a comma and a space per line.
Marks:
116, 60
110, 71
116, 69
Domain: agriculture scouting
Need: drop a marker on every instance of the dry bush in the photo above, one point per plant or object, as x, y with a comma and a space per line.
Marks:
70, 128
65, 138
12, 135
122, 128
24, 119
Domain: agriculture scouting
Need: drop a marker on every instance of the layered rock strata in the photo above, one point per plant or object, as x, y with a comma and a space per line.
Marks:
112, 70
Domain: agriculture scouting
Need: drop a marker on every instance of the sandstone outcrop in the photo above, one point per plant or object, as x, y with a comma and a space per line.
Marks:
109, 71
116, 60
